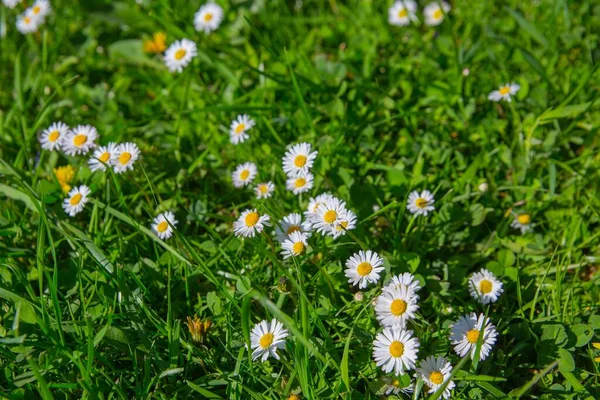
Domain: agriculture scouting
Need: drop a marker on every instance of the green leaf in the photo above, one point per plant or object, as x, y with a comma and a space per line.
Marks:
170, 372
205, 393
410, 261
506, 258
344, 362
584, 334
91, 246
563, 112
565, 361
15, 194
528, 27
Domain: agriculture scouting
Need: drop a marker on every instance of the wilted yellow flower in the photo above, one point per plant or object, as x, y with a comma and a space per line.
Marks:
64, 176
198, 329
157, 44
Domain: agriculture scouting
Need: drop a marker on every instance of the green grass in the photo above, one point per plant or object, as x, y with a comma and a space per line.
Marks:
95, 306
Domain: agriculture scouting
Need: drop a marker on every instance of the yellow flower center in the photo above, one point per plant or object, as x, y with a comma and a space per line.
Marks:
300, 182
27, 20
208, 17
104, 157
124, 157
436, 377
251, 219
364, 268
266, 340
263, 189
300, 160
330, 216
79, 140
54, 135
179, 54
240, 128
75, 199
485, 286
294, 397
396, 383
473, 336
396, 349
342, 226
244, 174
292, 229
437, 14
524, 219
162, 226
421, 202
402, 13
504, 90
298, 247
398, 307
36, 10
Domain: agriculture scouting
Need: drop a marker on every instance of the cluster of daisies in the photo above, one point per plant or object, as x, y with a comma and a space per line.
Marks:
395, 348
403, 12
33, 17
80, 140
181, 52
297, 162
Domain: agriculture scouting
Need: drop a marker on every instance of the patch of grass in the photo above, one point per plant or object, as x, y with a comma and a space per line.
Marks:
96, 306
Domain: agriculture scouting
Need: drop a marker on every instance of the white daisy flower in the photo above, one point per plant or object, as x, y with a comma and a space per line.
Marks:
102, 157
484, 287
80, 140
266, 338
435, 371
394, 386
301, 183
420, 204
289, 224
180, 54
294, 245
244, 174
27, 22
208, 18
395, 349
163, 225
126, 154
504, 92
52, 137
238, 131
406, 280
298, 160
40, 9
396, 307
434, 14
264, 190
11, 3
465, 334
328, 215
346, 222
250, 223
313, 205
402, 12
363, 268
76, 200
522, 222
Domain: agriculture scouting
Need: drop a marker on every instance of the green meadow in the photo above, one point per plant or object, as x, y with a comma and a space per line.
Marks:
98, 306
